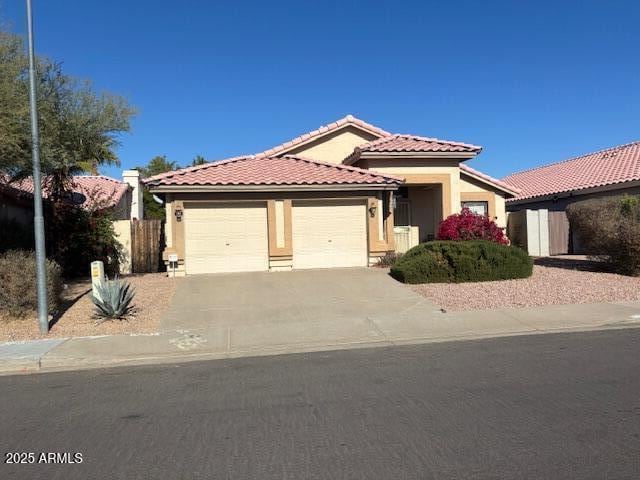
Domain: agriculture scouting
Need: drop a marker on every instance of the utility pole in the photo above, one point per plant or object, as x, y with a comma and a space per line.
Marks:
38, 219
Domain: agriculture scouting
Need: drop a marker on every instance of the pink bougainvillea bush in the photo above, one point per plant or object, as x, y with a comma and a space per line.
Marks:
467, 225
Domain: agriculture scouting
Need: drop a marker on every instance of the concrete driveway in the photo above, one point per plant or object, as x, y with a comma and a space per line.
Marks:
276, 309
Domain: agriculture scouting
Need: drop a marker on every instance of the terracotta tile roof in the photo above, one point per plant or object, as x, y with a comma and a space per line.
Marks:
606, 167
483, 176
244, 172
348, 120
271, 171
414, 143
98, 191
14, 189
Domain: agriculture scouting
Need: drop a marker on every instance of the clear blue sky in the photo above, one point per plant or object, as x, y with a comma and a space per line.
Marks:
533, 82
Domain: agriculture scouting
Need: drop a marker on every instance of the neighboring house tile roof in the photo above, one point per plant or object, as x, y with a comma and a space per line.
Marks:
98, 191
483, 176
348, 120
14, 189
606, 167
271, 171
413, 143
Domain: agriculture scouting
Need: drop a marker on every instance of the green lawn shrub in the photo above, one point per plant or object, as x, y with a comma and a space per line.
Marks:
462, 261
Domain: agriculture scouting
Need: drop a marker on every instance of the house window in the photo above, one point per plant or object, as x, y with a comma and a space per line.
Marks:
479, 208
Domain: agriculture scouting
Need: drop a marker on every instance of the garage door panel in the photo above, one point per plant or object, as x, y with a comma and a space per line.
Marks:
329, 234
226, 238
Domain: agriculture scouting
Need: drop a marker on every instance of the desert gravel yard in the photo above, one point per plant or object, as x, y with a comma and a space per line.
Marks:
153, 296
547, 286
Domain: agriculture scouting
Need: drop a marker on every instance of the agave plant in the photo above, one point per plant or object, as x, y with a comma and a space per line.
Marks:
113, 300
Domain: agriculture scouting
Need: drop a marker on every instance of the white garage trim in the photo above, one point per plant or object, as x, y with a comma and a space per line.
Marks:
226, 237
329, 234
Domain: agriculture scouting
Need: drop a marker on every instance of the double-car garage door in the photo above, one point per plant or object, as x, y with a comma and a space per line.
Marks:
233, 237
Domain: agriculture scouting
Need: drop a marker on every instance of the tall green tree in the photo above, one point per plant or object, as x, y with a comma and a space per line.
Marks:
198, 160
79, 128
158, 164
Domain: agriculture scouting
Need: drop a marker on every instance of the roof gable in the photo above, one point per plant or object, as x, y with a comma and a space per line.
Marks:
605, 167
349, 121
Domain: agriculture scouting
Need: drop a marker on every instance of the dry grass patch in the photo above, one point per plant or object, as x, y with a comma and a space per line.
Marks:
154, 292
547, 286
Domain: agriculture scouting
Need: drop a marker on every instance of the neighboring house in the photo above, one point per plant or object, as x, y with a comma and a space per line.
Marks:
97, 192
16, 205
614, 171
339, 196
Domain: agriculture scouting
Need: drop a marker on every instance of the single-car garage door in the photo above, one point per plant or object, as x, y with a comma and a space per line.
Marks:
329, 234
226, 237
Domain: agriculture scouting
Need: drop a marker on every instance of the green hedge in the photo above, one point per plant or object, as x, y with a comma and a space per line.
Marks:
462, 261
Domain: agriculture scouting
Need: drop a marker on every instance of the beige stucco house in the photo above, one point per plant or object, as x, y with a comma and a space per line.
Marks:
340, 196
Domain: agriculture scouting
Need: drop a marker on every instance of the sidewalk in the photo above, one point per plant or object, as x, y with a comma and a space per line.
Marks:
228, 341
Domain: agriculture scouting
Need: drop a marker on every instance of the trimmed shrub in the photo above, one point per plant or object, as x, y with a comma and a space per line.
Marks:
467, 225
18, 295
454, 261
609, 228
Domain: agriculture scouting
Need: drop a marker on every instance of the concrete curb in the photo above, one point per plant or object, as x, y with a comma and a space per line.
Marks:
60, 364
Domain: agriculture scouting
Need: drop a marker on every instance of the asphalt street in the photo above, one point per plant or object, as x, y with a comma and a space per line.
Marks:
544, 406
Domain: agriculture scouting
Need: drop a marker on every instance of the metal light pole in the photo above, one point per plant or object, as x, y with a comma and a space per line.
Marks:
38, 219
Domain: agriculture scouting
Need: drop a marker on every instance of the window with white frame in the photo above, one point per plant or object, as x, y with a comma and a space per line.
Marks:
479, 208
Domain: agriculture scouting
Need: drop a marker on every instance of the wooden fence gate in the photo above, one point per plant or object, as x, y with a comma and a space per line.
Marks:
558, 233
146, 240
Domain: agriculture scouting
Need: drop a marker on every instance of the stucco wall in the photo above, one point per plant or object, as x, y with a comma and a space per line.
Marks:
122, 229
169, 219
417, 170
501, 212
334, 147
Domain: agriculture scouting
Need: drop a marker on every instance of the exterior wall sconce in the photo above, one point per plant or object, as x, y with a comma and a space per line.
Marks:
178, 214
372, 210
